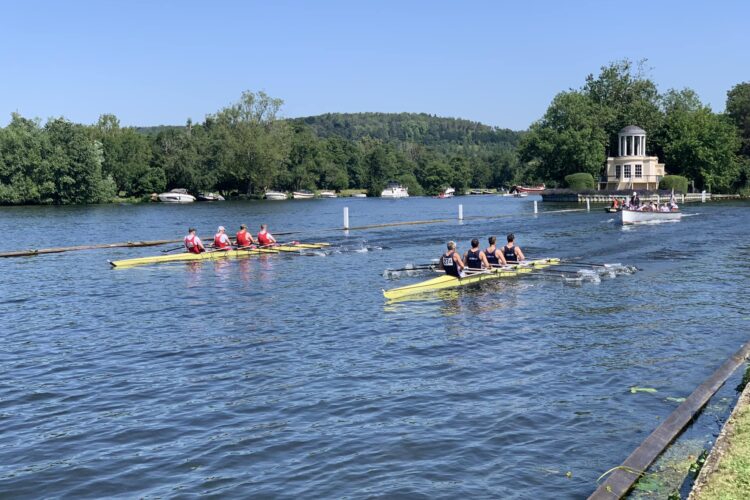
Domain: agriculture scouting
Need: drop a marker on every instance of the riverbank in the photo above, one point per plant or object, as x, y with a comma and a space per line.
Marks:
726, 473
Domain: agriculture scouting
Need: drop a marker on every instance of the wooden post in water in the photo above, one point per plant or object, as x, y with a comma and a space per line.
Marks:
588, 204
346, 217
536, 210
460, 211
703, 196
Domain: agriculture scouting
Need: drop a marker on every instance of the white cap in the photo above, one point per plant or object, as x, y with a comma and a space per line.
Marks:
221, 228
634, 193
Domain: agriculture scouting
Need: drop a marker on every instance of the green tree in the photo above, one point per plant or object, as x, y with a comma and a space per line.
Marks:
738, 110
250, 145
698, 143
568, 139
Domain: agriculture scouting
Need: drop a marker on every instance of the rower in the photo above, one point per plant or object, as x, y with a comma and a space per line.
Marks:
244, 239
450, 262
511, 252
264, 237
494, 256
193, 244
221, 240
474, 258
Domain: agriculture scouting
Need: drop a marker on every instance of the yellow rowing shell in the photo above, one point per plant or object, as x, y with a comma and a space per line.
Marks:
215, 255
445, 281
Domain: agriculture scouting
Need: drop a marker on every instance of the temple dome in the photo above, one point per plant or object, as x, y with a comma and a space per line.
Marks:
632, 130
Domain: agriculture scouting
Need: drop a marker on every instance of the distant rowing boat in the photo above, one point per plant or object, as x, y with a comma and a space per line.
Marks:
215, 254
445, 281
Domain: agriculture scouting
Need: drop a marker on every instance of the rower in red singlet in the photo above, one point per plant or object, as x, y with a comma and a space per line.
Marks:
244, 239
264, 237
221, 240
193, 244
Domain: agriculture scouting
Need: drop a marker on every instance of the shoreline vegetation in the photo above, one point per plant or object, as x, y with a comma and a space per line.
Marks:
246, 148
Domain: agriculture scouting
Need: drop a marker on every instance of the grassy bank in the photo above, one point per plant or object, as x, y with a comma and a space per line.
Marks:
730, 478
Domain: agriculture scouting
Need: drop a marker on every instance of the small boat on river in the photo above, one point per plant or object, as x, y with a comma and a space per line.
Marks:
328, 194
395, 190
303, 194
210, 197
275, 195
177, 195
528, 189
448, 192
639, 217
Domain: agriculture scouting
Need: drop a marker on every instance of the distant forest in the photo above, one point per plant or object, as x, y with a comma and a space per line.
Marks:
245, 148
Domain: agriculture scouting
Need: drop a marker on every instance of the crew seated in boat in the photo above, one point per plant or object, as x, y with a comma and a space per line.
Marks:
451, 263
615, 203
221, 240
511, 252
664, 208
193, 244
264, 237
243, 238
494, 256
474, 258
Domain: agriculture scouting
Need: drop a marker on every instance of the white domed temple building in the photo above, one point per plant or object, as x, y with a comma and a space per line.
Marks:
631, 168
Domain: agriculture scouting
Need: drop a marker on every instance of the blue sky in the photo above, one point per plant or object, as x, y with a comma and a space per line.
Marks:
500, 63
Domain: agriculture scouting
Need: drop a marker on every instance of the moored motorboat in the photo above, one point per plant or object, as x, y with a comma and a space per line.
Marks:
395, 190
303, 194
528, 189
328, 194
448, 192
177, 195
210, 197
275, 195
445, 281
639, 217
216, 254
359, 195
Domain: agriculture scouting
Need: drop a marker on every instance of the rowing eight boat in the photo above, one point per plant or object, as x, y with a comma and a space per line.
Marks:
215, 255
445, 281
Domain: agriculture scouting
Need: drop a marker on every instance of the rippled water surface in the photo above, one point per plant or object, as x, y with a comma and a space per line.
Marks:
290, 375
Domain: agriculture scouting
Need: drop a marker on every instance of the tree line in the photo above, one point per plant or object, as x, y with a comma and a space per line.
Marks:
246, 148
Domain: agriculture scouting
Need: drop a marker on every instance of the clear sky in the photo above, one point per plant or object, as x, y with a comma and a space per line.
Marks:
498, 62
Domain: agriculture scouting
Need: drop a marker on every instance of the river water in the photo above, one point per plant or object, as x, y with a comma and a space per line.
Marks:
290, 376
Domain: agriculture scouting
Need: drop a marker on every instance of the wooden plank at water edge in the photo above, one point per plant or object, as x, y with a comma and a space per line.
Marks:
624, 477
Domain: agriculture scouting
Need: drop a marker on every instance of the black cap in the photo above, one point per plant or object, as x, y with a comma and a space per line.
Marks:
191, 230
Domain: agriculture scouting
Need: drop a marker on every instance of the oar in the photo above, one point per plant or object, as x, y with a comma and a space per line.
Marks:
415, 268
583, 264
173, 249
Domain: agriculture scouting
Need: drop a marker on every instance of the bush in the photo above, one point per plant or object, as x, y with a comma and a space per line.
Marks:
676, 182
580, 181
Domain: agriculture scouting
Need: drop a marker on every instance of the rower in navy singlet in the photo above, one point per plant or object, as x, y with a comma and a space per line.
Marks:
475, 258
511, 252
450, 262
494, 256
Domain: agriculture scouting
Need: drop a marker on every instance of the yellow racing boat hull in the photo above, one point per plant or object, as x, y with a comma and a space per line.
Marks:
215, 255
445, 281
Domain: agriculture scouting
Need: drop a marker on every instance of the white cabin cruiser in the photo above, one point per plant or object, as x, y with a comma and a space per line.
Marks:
177, 195
275, 195
395, 190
